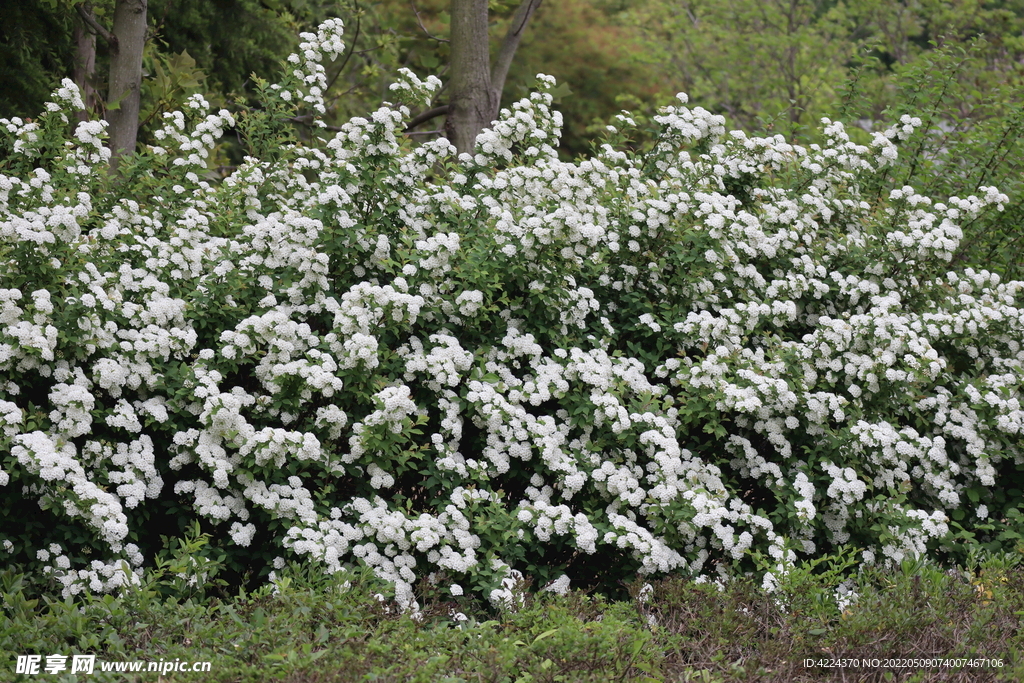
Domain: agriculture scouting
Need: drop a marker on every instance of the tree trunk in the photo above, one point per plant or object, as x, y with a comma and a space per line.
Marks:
475, 89
509, 46
126, 76
85, 67
472, 105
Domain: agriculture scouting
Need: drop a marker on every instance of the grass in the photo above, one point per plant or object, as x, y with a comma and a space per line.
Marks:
323, 630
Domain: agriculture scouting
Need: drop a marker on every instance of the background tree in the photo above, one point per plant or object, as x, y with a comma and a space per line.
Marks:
600, 60
755, 60
126, 43
593, 50
36, 49
475, 88
751, 59
42, 41
84, 70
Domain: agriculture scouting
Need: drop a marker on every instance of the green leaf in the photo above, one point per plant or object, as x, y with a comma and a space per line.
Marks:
546, 634
182, 61
560, 91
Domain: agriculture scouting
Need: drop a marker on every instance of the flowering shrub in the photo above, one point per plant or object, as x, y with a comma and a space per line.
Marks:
500, 366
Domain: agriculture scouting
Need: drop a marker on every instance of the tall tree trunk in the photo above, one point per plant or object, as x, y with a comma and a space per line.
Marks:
126, 76
472, 99
85, 67
475, 89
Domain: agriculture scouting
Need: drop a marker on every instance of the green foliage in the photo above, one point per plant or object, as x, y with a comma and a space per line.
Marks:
232, 39
775, 65
809, 590
308, 626
598, 59
35, 50
753, 60
969, 137
173, 78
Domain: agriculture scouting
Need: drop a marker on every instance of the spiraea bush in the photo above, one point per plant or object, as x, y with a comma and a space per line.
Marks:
504, 366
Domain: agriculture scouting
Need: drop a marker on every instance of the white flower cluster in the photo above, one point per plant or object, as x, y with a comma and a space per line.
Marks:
445, 365
845, 596
559, 586
66, 485
11, 417
685, 125
90, 150
511, 596
530, 124
192, 147
613, 358
309, 79
99, 577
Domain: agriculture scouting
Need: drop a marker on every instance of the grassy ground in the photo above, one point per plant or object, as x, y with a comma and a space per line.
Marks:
321, 631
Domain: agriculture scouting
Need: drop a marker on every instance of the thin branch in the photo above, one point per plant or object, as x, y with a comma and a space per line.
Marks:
426, 116
444, 86
424, 28
307, 121
369, 50
334, 100
84, 10
355, 38
439, 131
510, 44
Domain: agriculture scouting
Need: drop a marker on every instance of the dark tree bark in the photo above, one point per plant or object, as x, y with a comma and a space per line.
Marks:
475, 88
125, 43
126, 76
471, 101
85, 66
